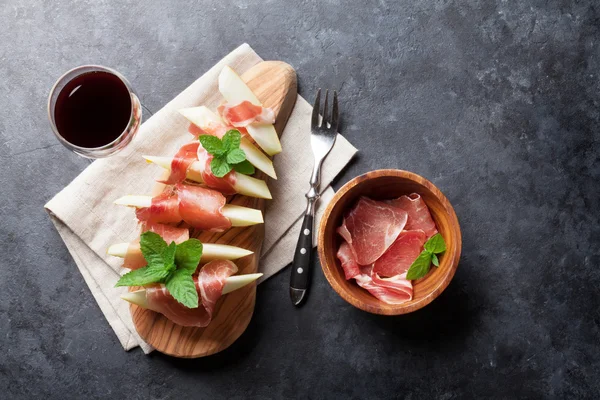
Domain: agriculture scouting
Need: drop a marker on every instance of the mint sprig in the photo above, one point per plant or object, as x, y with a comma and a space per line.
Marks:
226, 153
171, 264
420, 267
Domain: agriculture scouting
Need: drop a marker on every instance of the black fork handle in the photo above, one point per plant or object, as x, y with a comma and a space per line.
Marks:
300, 276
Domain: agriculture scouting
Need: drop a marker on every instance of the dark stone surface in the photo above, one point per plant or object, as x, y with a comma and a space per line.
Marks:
496, 102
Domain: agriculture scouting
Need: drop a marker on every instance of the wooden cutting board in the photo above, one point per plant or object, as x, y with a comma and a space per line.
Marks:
274, 83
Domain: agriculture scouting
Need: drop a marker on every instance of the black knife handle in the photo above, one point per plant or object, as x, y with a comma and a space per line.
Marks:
303, 255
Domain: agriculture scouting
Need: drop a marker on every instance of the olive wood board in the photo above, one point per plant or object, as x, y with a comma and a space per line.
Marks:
274, 83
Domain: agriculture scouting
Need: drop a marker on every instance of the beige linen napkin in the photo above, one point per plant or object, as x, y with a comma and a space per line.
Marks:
88, 221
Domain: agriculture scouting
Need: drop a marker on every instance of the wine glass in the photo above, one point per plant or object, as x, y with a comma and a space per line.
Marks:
94, 111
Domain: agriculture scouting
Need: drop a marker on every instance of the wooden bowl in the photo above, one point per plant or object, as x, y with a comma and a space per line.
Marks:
382, 185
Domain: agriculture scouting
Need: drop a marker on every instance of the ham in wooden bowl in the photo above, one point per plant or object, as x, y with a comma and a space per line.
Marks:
372, 233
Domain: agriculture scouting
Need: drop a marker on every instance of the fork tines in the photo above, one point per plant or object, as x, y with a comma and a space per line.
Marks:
328, 122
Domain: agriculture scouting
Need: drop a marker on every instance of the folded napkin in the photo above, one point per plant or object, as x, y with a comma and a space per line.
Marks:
88, 221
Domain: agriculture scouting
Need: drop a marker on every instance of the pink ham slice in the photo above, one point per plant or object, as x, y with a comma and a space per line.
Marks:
394, 290
214, 129
245, 113
371, 227
167, 232
198, 206
225, 184
201, 208
349, 264
164, 209
209, 283
419, 216
399, 257
134, 258
185, 157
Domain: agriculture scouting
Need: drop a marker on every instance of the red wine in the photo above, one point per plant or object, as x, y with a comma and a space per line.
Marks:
93, 109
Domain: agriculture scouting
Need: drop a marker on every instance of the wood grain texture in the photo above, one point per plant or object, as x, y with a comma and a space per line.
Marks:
274, 83
382, 185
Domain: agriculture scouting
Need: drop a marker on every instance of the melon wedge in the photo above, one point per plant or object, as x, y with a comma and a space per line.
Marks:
235, 91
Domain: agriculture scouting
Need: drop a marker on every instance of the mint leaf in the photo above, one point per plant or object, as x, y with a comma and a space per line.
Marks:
434, 260
231, 140
188, 255
219, 167
435, 244
244, 167
169, 257
212, 144
153, 246
236, 156
420, 266
182, 287
143, 276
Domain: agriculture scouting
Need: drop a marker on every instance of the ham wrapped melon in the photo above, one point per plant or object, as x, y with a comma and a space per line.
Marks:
212, 281
134, 259
192, 162
238, 94
205, 122
199, 207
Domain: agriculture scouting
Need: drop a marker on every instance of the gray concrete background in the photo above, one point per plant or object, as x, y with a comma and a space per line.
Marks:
496, 102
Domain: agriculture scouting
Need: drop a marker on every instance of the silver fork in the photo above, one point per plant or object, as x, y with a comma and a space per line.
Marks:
322, 139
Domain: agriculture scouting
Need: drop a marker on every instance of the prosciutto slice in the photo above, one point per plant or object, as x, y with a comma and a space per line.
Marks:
185, 157
419, 216
399, 257
371, 227
164, 209
349, 264
245, 113
198, 206
225, 184
201, 208
134, 258
214, 129
394, 290
209, 284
